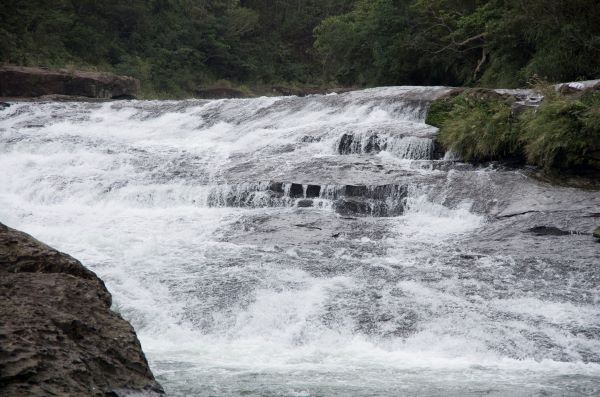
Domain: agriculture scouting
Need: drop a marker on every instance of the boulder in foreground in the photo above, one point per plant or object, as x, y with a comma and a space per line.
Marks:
58, 335
20, 81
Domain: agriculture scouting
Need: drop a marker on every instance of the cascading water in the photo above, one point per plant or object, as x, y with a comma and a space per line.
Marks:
312, 246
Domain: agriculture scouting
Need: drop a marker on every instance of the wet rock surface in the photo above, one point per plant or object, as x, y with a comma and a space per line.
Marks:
58, 335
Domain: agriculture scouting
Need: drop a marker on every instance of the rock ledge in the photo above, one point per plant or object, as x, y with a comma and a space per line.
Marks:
20, 81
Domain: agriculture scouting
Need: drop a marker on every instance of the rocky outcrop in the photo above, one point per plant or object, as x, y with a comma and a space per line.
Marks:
19, 81
58, 335
578, 87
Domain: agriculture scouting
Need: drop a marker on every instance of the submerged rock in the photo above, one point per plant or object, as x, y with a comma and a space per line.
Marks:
305, 203
597, 232
58, 335
549, 231
19, 81
350, 144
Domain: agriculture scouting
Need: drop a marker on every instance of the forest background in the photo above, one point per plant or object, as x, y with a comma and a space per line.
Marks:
177, 47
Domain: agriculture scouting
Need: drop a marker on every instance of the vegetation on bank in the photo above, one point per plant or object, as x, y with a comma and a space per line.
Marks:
177, 47
563, 133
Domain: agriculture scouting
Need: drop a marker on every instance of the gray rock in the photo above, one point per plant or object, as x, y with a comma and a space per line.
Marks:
58, 335
304, 203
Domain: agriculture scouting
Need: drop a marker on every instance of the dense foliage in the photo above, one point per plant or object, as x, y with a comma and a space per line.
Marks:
173, 46
456, 42
177, 46
563, 133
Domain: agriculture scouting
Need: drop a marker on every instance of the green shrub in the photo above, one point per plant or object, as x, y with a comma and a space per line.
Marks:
478, 127
438, 111
563, 133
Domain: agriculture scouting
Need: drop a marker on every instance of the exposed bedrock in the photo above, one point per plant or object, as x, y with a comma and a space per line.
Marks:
19, 81
58, 335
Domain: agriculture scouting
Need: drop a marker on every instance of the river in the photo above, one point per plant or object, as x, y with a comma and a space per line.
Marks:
316, 246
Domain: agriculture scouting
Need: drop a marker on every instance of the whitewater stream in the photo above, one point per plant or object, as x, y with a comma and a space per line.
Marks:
316, 246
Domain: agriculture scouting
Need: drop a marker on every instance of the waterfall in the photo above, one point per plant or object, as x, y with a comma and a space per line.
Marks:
311, 246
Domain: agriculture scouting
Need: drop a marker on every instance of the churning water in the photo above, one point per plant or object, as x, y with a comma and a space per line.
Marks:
316, 246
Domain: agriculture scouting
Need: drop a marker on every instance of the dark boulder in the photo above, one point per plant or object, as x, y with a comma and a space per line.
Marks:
58, 335
304, 203
19, 81
352, 206
313, 191
4, 105
356, 190
276, 187
597, 232
296, 190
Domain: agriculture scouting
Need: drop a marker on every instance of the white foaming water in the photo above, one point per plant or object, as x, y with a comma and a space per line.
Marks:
192, 212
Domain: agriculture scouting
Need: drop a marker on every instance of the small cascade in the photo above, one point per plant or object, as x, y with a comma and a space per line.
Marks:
361, 200
413, 148
402, 147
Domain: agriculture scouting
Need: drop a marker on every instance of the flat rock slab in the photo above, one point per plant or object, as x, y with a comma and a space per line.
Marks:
19, 81
58, 335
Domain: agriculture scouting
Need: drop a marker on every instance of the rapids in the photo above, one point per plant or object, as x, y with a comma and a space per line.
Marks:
316, 246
